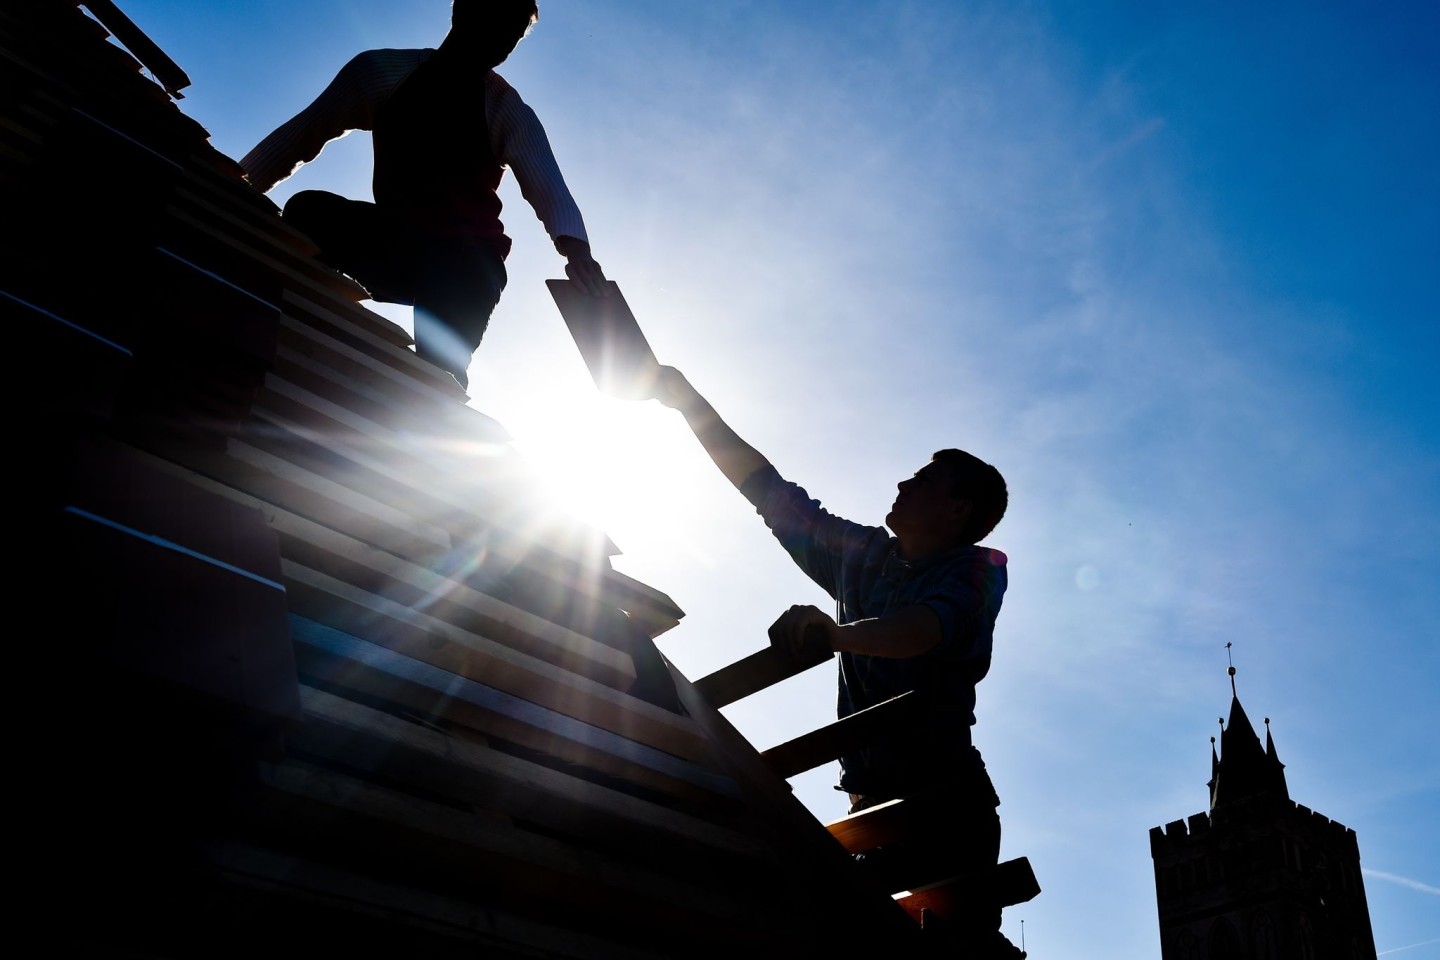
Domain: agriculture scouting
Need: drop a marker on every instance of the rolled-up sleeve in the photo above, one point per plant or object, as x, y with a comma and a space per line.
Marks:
966, 599
348, 103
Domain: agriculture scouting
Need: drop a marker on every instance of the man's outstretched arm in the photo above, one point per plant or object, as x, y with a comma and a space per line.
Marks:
735, 458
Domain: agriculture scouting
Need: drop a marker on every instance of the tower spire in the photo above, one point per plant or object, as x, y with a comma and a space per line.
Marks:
1244, 768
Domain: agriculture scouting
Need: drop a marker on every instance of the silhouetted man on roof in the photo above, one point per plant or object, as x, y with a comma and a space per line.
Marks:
915, 612
445, 126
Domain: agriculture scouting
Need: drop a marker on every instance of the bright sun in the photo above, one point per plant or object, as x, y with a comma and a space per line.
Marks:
614, 464
628, 468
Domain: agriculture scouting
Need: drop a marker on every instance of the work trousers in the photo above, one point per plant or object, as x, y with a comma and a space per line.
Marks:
453, 283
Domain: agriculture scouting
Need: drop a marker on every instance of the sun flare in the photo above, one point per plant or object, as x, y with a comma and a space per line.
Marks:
613, 464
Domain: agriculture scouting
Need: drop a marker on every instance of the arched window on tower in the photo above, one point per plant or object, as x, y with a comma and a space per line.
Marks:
1224, 941
1184, 946
1265, 943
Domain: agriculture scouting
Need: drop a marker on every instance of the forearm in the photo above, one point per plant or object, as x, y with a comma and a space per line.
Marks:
519, 142
803, 632
276, 157
736, 459
907, 632
348, 103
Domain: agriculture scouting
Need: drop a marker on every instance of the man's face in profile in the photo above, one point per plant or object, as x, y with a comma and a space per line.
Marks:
925, 503
484, 34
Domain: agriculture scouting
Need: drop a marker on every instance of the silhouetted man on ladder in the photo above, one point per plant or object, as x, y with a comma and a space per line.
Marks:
445, 126
915, 613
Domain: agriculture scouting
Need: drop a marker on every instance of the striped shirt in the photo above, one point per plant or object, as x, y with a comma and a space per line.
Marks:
859, 567
353, 100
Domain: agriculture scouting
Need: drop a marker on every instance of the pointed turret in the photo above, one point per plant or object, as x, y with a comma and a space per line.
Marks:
1244, 768
1277, 769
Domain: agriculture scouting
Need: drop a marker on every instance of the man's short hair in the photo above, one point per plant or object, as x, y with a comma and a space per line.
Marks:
975, 480
462, 9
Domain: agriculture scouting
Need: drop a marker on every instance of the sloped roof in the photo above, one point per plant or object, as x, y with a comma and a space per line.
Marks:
317, 671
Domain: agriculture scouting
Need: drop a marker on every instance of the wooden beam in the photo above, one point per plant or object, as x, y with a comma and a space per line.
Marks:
422, 554
307, 275
424, 470
311, 494
100, 365
325, 814
171, 77
761, 669
347, 660
1007, 884
443, 599
873, 826
326, 888
384, 351
411, 634
393, 749
895, 717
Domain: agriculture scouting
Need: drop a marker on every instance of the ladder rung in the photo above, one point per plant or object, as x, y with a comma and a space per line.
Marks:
761, 669
1007, 884
810, 750
874, 826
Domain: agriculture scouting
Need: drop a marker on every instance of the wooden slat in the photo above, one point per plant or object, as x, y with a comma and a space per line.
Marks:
653, 609
398, 750
256, 478
503, 864
894, 717
411, 467
164, 610
413, 635
385, 349
164, 69
312, 495
868, 829
430, 464
761, 669
309, 276
440, 600
1009, 883
99, 365
327, 368
423, 554
327, 889
260, 226
350, 661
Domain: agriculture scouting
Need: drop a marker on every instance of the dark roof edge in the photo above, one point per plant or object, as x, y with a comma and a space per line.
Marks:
165, 70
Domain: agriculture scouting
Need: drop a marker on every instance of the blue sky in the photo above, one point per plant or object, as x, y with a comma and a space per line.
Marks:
1174, 268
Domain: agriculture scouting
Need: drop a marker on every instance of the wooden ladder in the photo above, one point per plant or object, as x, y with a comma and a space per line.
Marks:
933, 902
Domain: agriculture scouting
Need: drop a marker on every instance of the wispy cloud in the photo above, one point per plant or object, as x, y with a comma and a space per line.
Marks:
1412, 946
1404, 882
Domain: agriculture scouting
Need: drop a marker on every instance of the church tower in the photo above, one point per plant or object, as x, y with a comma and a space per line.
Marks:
1258, 876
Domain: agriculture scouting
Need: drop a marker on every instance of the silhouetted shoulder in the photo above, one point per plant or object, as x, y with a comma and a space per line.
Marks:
378, 66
